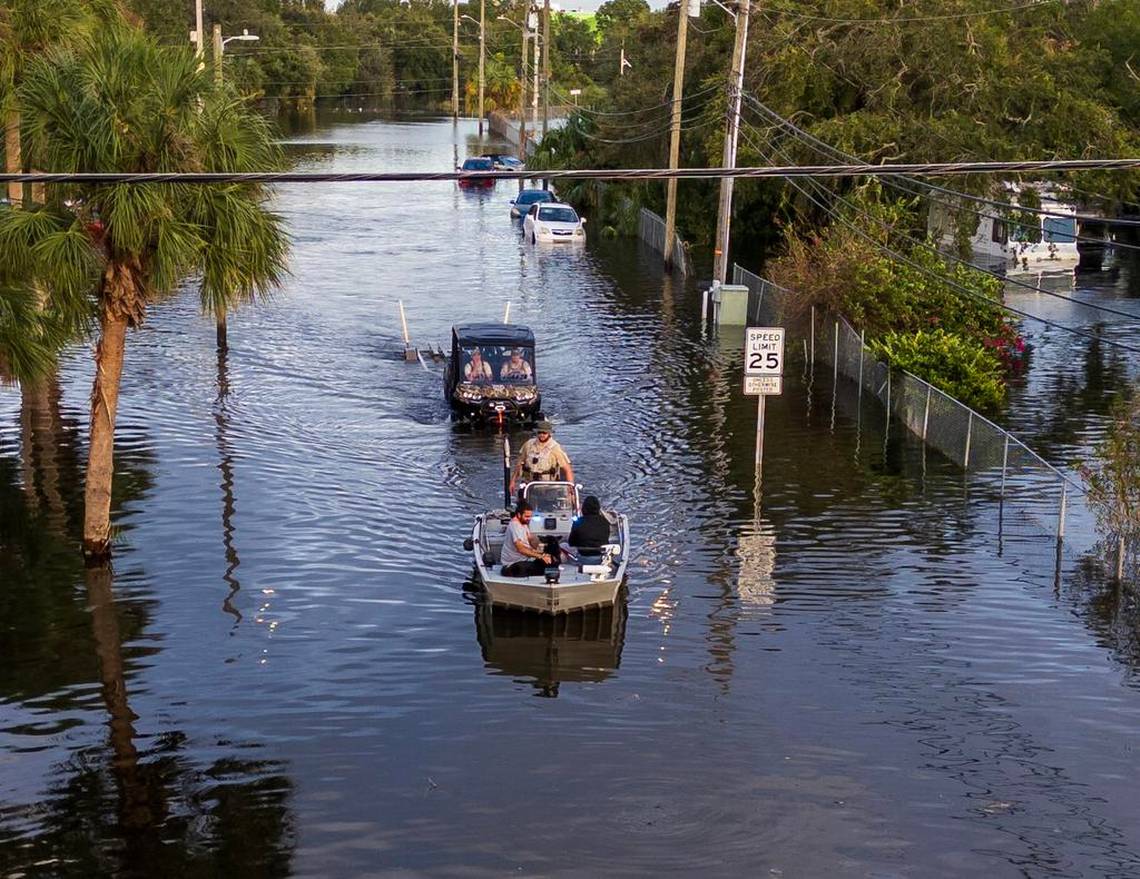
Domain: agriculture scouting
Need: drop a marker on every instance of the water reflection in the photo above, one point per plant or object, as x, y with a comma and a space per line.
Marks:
226, 469
546, 651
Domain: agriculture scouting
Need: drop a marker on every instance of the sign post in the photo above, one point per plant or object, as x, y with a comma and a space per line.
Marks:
763, 374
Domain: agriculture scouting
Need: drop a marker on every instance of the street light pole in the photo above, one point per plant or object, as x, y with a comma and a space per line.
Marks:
219, 48
732, 129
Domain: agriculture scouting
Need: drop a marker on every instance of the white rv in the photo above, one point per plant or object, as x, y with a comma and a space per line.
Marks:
1022, 241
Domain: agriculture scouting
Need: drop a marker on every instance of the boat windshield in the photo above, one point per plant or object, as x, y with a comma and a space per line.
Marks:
498, 364
1060, 229
554, 498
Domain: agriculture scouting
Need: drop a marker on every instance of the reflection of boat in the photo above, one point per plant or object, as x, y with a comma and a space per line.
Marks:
590, 581
579, 648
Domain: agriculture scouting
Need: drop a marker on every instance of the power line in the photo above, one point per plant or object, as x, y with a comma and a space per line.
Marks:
948, 256
949, 281
947, 16
932, 169
826, 149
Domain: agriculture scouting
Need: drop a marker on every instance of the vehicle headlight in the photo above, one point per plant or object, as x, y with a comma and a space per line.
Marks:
579, 231
543, 230
469, 395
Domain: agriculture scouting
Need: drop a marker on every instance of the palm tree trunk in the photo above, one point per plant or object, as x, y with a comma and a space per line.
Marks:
13, 163
100, 456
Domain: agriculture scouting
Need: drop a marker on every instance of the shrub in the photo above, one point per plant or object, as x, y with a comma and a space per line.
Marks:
1113, 479
961, 367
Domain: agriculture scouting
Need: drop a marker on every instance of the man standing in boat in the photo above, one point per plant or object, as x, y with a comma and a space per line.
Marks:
542, 459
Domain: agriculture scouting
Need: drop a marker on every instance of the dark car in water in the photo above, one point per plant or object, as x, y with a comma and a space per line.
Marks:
476, 164
491, 375
521, 203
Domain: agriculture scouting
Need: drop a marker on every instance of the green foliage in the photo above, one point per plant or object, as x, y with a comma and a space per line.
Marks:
953, 363
1112, 479
120, 102
375, 53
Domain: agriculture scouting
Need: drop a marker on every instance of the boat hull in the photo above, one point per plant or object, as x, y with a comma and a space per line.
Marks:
574, 591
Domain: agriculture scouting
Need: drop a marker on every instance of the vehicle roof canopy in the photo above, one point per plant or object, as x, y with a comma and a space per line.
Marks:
493, 334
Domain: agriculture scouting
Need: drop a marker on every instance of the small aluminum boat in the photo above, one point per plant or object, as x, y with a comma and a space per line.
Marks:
581, 581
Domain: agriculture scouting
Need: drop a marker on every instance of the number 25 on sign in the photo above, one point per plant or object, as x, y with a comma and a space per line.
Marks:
764, 351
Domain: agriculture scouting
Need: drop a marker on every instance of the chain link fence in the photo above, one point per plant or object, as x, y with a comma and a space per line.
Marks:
651, 230
1035, 498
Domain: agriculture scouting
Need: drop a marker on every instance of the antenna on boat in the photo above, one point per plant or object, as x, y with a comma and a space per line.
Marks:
507, 471
507, 313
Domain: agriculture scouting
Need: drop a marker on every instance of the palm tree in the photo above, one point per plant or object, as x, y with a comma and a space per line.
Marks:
119, 102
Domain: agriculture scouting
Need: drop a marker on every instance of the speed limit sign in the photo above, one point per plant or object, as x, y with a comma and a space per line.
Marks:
764, 351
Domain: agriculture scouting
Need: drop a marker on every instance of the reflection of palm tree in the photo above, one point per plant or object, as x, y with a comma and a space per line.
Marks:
225, 467
135, 810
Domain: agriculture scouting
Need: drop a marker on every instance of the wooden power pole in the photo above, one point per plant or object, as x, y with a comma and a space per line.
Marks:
675, 133
732, 130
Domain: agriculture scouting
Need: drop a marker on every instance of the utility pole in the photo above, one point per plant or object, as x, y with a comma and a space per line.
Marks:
534, 95
545, 66
199, 37
732, 129
522, 94
218, 54
482, 55
455, 61
621, 63
675, 134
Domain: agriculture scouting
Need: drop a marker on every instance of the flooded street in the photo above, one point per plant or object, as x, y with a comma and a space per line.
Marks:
837, 670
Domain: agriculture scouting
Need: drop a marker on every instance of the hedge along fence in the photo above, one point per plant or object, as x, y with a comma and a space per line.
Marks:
1035, 497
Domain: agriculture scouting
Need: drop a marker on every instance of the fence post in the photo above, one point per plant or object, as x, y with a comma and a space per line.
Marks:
969, 435
862, 349
813, 338
926, 415
1004, 463
1061, 515
1120, 559
835, 356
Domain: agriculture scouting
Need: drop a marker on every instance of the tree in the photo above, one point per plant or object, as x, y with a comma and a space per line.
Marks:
122, 103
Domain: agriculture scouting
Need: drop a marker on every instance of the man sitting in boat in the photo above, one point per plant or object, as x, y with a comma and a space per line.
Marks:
591, 531
541, 458
522, 555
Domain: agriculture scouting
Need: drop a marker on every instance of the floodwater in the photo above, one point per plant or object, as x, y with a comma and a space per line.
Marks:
836, 670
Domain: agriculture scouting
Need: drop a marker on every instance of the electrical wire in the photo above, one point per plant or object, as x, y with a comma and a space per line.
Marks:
668, 103
825, 149
932, 169
945, 256
947, 16
948, 281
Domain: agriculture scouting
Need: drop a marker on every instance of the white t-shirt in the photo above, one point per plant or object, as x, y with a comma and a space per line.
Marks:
516, 530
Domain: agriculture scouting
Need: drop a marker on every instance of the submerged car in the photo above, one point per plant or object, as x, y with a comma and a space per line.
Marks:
490, 374
473, 165
503, 162
558, 223
521, 203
